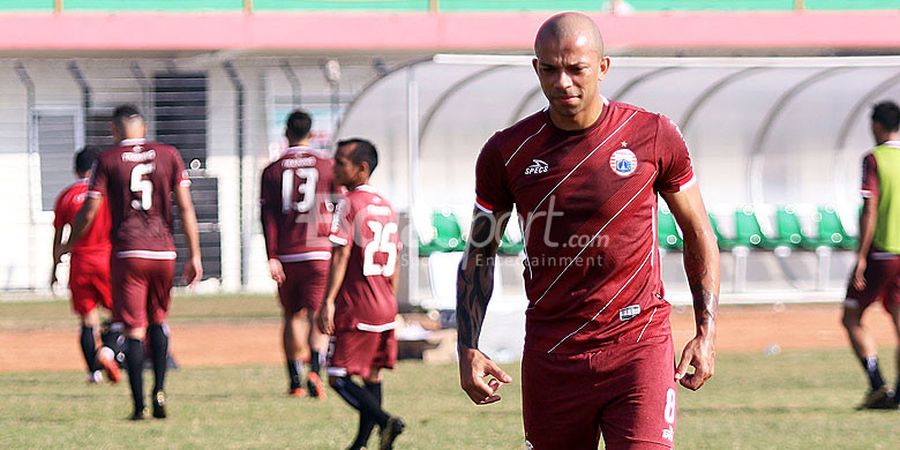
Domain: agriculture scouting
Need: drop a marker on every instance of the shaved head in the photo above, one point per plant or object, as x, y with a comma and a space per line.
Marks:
569, 26
570, 64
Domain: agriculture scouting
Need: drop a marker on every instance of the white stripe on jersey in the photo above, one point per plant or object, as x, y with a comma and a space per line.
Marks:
305, 256
524, 142
647, 325
536, 208
606, 305
688, 183
649, 181
147, 254
376, 328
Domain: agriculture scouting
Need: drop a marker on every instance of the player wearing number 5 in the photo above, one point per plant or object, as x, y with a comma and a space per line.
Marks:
296, 207
360, 305
138, 177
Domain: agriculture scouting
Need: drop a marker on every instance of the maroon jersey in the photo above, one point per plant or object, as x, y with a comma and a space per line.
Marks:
95, 240
367, 222
137, 178
296, 205
587, 202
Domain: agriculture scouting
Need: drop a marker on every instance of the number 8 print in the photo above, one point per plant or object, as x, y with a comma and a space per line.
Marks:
669, 413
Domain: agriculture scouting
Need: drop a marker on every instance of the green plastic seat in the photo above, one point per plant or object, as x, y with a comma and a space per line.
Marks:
831, 230
747, 231
790, 232
669, 238
447, 232
426, 249
724, 242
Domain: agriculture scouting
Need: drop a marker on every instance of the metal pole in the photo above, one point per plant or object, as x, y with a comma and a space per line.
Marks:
57, 6
248, 6
239, 136
33, 203
799, 5
294, 81
434, 6
412, 140
146, 98
86, 91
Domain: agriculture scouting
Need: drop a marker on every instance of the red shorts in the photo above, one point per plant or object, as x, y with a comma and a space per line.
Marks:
89, 283
357, 352
882, 282
626, 391
141, 290
304, 286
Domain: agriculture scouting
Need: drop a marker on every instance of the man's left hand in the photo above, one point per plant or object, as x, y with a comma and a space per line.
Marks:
699, 353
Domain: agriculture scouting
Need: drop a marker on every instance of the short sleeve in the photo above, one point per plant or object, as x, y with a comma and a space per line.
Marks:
341, 231
869, 177
675, 170
59, 215
491, 189
97, 185
180, 175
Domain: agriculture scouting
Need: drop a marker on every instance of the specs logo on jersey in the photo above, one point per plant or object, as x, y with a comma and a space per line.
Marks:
536, 167
623, 162
629, 312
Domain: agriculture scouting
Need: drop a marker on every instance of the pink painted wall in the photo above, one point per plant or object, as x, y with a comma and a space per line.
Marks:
315, 32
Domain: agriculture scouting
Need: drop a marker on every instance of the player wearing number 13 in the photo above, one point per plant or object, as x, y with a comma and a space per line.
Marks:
295, 207
138, 177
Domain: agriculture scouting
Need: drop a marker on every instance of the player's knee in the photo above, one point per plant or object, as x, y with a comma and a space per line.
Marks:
850, 319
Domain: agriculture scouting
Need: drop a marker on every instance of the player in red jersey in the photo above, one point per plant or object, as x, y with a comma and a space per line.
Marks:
296, 207
360, 304
89, 266
584, 176
138, 177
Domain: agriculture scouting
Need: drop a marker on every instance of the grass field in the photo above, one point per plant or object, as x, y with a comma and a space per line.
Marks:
793, 400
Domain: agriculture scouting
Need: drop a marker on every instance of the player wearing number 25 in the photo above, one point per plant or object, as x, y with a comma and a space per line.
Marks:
138, 177
296, 206
360, 303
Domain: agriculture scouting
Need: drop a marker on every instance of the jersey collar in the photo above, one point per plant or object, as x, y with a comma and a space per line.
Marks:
130, 142
365, 188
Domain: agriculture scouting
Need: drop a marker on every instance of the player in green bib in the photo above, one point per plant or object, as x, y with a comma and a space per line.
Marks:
877, 273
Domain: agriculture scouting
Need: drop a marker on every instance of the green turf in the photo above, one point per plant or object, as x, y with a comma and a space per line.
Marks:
793, 400
55, 312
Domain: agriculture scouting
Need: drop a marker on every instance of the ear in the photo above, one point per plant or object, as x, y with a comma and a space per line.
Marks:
604, 67
534, 64
364, 166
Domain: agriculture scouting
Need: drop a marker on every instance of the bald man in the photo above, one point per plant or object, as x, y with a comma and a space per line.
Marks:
584, 175
138, 178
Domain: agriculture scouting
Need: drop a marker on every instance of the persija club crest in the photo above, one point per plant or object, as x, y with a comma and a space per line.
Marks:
623, 162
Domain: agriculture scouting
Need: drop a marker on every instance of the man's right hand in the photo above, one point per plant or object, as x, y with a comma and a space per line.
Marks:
474, 366
276, 270
193, 271
859, 274
325, 318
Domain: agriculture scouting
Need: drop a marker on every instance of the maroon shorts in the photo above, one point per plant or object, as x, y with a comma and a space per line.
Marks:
89, 283
357, 352
624, 391
304, 285
882, 282
141, 290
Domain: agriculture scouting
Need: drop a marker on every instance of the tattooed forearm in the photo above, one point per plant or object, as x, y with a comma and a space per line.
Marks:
701, 264
475, 278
